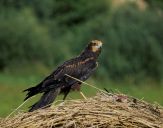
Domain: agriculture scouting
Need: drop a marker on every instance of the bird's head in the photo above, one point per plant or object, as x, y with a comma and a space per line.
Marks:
92, 49
95, 46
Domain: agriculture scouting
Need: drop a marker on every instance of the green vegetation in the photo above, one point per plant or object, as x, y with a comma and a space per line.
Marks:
36, 36
49, 32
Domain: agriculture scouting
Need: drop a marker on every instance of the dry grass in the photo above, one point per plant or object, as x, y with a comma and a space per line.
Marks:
103, 110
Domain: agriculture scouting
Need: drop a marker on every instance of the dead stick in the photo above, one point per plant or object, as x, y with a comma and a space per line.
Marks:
16, 109
85, 83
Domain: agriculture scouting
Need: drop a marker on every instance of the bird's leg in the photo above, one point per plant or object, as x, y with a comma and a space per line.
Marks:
83, 95
76, 87
66, 93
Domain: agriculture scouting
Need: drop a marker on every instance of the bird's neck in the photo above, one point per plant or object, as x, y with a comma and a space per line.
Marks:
88, 53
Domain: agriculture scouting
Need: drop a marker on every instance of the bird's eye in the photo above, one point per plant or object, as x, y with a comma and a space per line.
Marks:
93, 44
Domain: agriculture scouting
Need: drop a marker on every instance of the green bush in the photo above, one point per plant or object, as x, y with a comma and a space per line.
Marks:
50, 32
139, 42
132, 42
22, 39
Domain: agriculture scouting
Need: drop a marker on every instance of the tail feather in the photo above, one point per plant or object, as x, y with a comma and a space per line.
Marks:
31, 92
46, 99
41, 87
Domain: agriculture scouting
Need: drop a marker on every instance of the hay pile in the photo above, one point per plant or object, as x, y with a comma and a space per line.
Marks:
103, 110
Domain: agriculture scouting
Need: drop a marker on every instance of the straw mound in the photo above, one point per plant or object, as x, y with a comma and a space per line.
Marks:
103, 110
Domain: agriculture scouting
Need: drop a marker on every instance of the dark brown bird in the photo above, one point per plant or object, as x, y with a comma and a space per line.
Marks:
80, 67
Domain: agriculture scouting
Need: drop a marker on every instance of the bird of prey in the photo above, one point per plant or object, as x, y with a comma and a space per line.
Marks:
80, 67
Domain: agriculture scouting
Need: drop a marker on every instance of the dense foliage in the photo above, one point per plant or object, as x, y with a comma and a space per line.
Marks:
48, 32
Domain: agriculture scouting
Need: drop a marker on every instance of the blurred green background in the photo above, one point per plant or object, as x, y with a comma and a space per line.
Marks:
36, 36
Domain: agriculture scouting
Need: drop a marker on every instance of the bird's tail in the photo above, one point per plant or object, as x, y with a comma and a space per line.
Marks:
46, 99
41, 87
31, 92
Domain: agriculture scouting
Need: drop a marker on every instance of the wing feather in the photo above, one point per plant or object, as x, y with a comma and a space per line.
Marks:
76, 67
